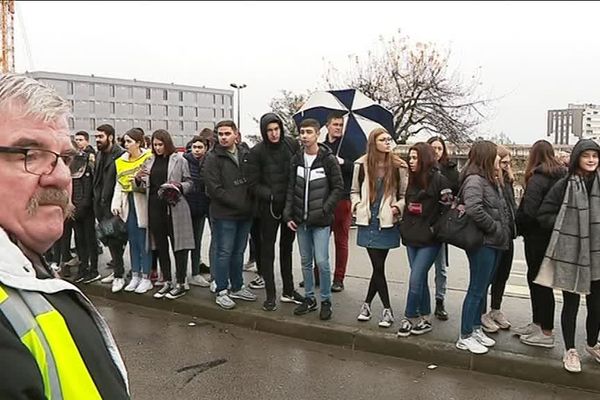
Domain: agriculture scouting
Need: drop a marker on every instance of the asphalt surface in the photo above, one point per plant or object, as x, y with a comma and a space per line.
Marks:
174, 356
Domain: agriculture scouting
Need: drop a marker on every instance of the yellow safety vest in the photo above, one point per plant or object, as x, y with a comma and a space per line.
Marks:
43, 330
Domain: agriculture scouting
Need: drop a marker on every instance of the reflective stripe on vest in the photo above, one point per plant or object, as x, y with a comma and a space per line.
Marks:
44, 332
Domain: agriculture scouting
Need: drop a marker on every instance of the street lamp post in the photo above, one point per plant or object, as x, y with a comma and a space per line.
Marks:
238, 86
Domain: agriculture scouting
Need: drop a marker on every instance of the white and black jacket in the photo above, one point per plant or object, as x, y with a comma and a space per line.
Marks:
313, 193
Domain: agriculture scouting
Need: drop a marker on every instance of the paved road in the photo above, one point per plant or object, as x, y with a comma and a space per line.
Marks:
168, 359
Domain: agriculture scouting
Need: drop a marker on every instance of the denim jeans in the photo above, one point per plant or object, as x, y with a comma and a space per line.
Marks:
313, 242
198, 222
441, 274
231, 238
482, 263
139, 254
420, 259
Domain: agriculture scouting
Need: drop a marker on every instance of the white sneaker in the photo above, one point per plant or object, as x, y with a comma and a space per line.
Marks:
594, 351
488, 324
387, 318
198, 280
471, 344
117, 284
482, 338
133, 284
144, 286
213, 286
224, 301
525, 330
571, 361
538, 339
365, 312
108, 279
500, 319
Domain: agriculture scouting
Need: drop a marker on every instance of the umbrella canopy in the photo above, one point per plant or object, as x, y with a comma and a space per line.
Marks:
361, 116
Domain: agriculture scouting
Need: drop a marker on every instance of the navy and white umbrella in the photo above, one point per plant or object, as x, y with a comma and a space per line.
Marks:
361, 116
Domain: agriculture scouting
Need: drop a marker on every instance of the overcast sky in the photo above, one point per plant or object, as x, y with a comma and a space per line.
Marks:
534, 56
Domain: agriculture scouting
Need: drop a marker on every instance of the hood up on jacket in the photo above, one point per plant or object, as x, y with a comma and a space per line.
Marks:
265, 120
580, 147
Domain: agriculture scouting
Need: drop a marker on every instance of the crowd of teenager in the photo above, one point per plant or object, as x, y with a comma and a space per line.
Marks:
144, 193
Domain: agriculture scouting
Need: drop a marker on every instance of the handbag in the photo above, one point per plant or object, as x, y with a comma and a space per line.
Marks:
455, 227
111, 229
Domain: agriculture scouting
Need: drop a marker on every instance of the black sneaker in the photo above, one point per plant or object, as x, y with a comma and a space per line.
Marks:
177, 292
204, 269
337, 287
296, 298
307, 306
406, 328
269, 305
92, 277
423, 326
440, 310
325, 313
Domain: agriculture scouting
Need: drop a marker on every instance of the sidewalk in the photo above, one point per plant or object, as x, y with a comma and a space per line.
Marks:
508, 358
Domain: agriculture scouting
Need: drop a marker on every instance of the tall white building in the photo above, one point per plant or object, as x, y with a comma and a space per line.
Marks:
578, 121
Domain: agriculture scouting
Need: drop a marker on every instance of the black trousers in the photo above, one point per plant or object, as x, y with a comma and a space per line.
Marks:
61, 249
378, 283
256, 245
568, 318
161, 235
268, 235
542, 298
117, 249
501, 276
85, 241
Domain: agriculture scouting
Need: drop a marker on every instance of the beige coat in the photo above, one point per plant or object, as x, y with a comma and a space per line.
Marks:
359, 197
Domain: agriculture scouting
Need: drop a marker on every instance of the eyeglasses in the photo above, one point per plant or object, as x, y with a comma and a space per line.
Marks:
39, 161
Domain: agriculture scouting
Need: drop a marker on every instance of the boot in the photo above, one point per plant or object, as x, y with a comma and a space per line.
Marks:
440, 311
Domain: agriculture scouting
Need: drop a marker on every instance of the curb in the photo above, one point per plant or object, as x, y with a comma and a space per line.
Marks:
496, 362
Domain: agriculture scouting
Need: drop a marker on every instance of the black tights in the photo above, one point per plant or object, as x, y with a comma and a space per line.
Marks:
378, 283
568, 318
161, 237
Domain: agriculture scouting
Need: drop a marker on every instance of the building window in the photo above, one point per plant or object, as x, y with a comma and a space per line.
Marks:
71, 123
112, 107
214, 98
167, 111
181, 111
150, 125
70, 88
149, 109
92, 89
130, 92
196, 126
71, 104
180, 125
130, 107
180, 96
92, 123
148, 94
223, 113
214, 113
165, 94
92, 107
111, 90
197, 112
222, 99
167, 125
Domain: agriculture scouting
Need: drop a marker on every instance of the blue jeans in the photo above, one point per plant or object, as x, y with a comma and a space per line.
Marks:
441, 275
313, 242
139, 255
482, 264
231, 237
420, 260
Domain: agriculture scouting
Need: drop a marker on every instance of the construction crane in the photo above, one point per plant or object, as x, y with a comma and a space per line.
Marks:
7, 19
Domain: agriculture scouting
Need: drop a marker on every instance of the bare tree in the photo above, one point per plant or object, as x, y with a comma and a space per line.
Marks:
285, 106
414, 81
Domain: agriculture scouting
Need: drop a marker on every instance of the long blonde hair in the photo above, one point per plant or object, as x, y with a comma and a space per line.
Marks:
391, 164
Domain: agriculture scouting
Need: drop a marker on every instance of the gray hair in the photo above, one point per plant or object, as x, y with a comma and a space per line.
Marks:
31, 98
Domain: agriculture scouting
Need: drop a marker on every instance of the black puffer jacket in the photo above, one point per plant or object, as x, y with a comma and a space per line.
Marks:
347, 167
313, 192
196, 198
105, 177
550, 206
416, 226
486, 205
537, 187
450, 171
227, 184
269, 167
